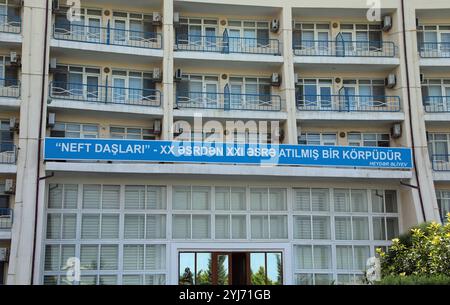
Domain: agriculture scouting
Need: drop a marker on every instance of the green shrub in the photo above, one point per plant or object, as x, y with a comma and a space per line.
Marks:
414, 280
423, 254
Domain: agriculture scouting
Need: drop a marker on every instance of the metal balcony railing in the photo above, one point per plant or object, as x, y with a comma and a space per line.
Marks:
229, 101
105, 94
434, 49
6, 218
9, 87
440, 162
10, 24
107, 35
342, 48
348, 103
225, 44
436, 104
8, 153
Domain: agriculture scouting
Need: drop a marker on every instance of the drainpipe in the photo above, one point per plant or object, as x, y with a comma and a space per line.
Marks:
38, 156
408, 86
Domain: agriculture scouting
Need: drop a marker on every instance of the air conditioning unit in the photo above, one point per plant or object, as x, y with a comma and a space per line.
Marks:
422, 78
13, 58
51, 119
275, 25
387, 23
157, 19
296, 78
13, 124
9, 187
157, 127
176, 18
157, 75
390, 81
396, 131
178, 75
55, 5
4, 254
53, 64
275, 80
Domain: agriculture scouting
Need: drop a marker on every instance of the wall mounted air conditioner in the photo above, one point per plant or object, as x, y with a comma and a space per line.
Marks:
157, 19
275, 80
390, 81
51, 119
157, 75
275, 25
396, 131
176, 18
9, 187
13, 124
178, 75
4, 254
387, 23
157, 127
296, 78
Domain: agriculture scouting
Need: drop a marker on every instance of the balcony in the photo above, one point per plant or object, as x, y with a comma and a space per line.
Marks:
226, 45
434, 50
10, 24
229, 101
436, 104
9, 88
342, 48
105, 94
348, 103
6, 218
107, 36
8, 153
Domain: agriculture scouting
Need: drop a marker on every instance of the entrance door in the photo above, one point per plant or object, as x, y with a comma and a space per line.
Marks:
230, 268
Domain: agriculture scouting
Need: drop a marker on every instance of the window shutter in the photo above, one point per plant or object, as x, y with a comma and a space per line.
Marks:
259, 200
155, 279
90, 225
302, 200
67, 251
222, 199
89, 257
110, 226
362, 253
319, 200
321, 227
344, 257
108, 257
156, 226
69, 229
222, 226
341, 200
260, 227
302, 227
134, 197
181, 198
134, 226
181, 227
53, 226
322, 257
200, 198
133, 257
360, 228
278, 226
91, 196
237, 199
343, 228
155, 257
277, 199
70, 196
156, 198
379, 231
55, 196
111, 197
200, 226
304, 257
238, 227
51, 257
132, 280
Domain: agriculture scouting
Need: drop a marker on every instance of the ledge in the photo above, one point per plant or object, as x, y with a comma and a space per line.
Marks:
349, 116
246, 57
227, 170
8, 168
10, 102
5, 234
231, 114
333, 60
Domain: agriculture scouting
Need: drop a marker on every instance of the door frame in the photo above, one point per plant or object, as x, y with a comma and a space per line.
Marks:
174, 248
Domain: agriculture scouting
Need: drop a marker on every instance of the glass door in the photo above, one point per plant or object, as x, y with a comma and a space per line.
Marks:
211, 94
234, 37
119, 31
94, 31
92, 92
118, 90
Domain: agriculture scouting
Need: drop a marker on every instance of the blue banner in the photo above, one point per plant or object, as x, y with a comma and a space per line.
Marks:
205, 152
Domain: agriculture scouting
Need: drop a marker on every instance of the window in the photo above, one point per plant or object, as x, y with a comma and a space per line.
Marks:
314, 93
75, 130
199, 90
247, 34
197, 33
77, 82
95, 223
311, 38
133, 26
368, 139
136, 133
133, 87
6, 137
245, 90
443, 200
362, 37
436, 94
434, 38
324, 223
311, 138
9, 74
438, 146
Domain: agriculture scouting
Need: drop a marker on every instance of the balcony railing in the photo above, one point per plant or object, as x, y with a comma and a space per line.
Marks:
108, 36
434, 49
8, 153
436, 104
105, 94
342, 48
348, 103
6, 218
229, 101
9, 87
10, 24
225, 44
440, 162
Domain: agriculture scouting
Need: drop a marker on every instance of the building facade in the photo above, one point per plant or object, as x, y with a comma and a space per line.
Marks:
325, 73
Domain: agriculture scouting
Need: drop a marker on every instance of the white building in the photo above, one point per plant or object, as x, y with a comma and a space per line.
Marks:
131, 70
